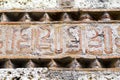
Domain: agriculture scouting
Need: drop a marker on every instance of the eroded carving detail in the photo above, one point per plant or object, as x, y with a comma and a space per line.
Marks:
46, 39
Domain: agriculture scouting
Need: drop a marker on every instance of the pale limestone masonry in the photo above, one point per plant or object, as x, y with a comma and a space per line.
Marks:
47, 74
59, 39
55, 4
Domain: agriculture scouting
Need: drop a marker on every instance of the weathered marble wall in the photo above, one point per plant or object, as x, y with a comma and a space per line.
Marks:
59, 45
47, 74
50, 4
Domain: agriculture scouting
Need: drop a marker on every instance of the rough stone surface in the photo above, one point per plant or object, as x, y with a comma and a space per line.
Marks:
50, 4
59, 40
47, 74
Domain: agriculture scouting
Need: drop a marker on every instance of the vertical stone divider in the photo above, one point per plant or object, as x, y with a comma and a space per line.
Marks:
45, 18
75, 64
85, 17
30, 64
26, 17
58, 40
98, 63
117, 64
106, 17
4, 18
8, 64
65, 17
53, 64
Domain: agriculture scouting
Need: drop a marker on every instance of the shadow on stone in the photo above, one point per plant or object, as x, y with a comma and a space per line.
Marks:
107, 62
41, 62
85, 62
36, 16
19, 63
55, 16
64, 62
14, 16
2, 62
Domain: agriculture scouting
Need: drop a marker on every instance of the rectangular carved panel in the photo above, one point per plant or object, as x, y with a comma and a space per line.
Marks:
47, 39
28, 39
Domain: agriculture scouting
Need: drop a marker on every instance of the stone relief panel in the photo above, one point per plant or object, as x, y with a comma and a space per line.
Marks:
72, 38
94, 42
47, 39
99, 40
44, 40
34, 39
91, 39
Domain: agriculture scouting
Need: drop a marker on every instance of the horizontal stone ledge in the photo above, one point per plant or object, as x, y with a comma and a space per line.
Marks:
86, 69
77, 56
59, 22
55, 74
63, 10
